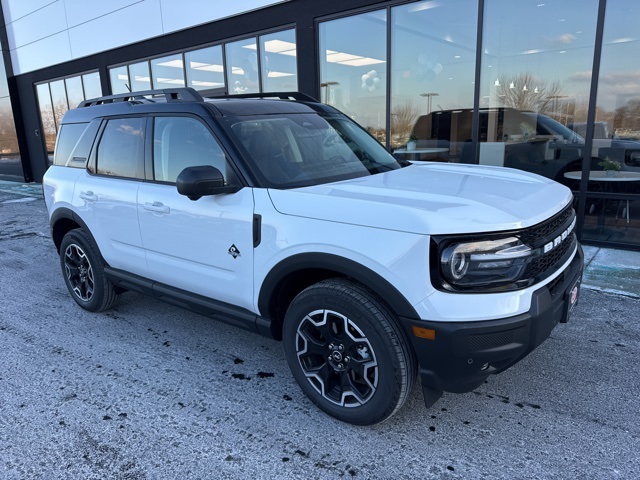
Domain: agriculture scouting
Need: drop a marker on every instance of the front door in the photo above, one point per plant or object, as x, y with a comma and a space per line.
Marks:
203, 246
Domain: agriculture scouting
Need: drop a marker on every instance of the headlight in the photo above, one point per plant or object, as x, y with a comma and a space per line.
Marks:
487, 263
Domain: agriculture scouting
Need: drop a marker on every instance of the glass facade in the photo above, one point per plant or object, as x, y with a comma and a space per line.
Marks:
530, 108
353, 68
139, 78
432, 70
44, 32
279, 65
58, 96
205, 69
168, 72
431, 83
612, 212
257, 64
242, 66
10, 160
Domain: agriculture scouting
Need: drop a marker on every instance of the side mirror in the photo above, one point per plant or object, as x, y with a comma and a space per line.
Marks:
196, 182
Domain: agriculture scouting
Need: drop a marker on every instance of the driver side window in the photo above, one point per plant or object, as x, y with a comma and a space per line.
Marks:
181, 142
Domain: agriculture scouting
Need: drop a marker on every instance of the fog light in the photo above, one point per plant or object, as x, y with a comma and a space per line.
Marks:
485, 366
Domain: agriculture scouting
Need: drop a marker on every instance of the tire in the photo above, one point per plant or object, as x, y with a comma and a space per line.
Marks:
347, 352
83, 272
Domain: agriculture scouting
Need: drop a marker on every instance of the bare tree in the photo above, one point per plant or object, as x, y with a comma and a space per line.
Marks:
403, 118
526, 92
626, 121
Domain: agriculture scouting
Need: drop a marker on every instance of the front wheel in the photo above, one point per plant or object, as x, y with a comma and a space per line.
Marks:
347, 352
83, 271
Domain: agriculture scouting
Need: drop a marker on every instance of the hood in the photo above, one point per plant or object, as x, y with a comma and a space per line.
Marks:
431, 198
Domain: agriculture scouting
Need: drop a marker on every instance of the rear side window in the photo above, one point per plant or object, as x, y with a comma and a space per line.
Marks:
121, 148
67, 139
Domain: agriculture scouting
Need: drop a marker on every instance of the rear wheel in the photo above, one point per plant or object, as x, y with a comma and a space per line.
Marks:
348, 353
83, 271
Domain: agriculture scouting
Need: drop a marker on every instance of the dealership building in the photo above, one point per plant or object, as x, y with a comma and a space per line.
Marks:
547, 86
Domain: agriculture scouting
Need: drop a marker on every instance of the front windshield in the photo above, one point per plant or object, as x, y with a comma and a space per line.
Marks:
309, 149
557, 129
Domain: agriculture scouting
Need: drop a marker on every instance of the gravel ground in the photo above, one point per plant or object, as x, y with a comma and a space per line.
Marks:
150, 391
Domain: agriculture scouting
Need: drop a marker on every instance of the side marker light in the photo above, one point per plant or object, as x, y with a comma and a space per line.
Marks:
426, 333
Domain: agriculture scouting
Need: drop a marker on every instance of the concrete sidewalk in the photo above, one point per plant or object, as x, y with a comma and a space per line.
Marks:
612, 270
606, 269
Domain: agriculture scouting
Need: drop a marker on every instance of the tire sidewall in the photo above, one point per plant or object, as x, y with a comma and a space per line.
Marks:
79, 238
383, 402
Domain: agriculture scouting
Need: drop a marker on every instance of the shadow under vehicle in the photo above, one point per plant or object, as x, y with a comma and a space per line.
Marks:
518, 139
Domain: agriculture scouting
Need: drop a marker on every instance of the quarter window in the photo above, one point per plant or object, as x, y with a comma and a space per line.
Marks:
120, 153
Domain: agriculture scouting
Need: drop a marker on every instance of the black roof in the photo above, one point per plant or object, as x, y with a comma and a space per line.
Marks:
188, 100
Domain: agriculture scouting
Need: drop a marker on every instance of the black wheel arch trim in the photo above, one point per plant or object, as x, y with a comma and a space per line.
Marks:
340, 265
62, 214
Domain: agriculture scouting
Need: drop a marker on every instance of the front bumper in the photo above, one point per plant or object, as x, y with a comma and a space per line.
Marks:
463, 354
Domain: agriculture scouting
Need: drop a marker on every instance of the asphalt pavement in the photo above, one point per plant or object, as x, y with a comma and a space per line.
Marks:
149, 391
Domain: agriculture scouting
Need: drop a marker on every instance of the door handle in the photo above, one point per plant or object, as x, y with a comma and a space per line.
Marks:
88, 196
157, 207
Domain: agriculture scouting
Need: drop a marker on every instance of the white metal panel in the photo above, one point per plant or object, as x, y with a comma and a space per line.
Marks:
42, 53
187, 13
128, 25
433, 198
81, 11
15, 9
399, 257
37, 25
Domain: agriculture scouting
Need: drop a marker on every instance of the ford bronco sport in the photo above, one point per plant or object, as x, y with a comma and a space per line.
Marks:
284, 217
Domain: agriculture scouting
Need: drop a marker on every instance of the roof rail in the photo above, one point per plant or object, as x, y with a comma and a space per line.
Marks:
299, 96
187, 94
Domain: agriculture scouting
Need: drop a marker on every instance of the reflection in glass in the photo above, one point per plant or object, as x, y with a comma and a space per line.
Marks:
8, 138
139, 76
242, 66
75, 95
433, 49
10, 162
279, 66
353, 68
613, 220
4, 87
46, 116
616, 132
119, 78
204, 68
534, 85
92, 87
168, 72
59, 99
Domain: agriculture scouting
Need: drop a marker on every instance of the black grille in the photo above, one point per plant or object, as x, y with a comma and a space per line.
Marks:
544, 264
539, 234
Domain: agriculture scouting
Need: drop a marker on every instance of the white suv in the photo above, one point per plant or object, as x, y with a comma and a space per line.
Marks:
286, 218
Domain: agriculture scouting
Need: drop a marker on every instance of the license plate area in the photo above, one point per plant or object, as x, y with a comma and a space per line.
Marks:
571, 297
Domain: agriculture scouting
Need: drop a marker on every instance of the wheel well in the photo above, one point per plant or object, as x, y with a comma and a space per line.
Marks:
60, 228
291, 276
287, 289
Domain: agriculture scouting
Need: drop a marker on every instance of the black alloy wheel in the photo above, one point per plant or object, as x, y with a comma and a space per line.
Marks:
347, 352
83, 271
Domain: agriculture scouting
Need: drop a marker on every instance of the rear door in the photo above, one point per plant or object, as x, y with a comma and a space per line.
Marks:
203, 246
105, 195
